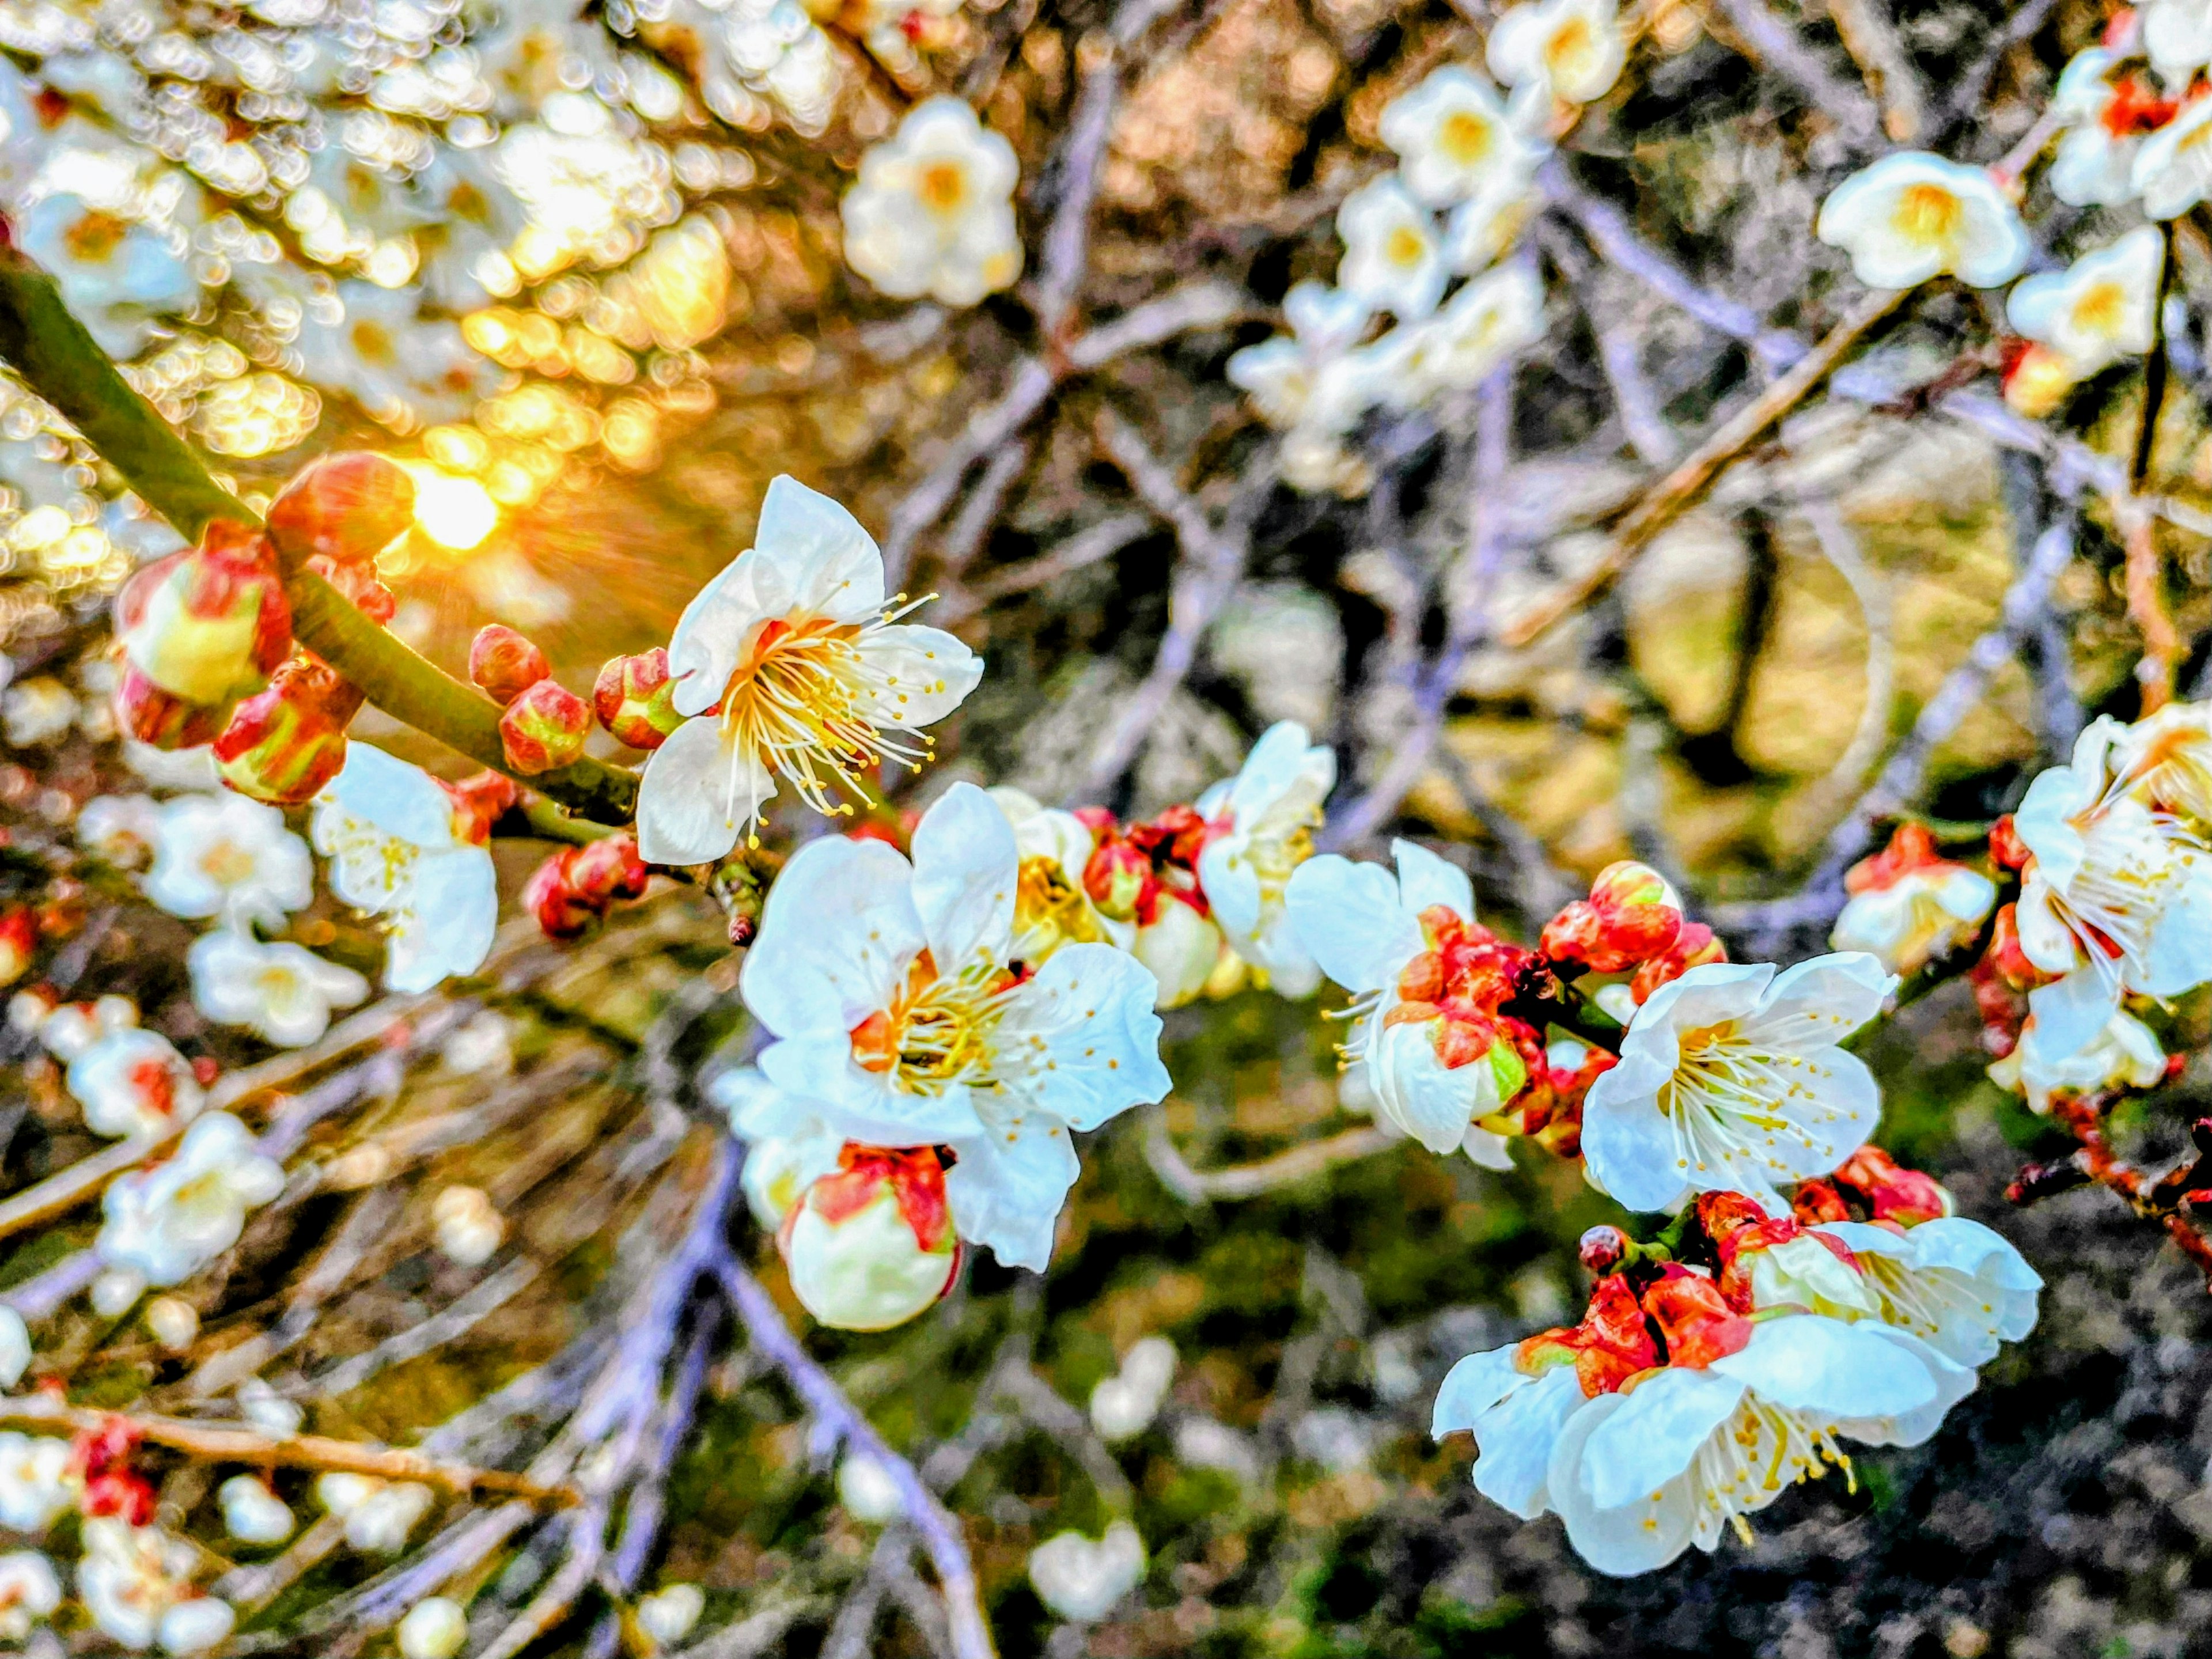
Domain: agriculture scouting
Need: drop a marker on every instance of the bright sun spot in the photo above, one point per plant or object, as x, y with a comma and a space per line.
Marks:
454, 513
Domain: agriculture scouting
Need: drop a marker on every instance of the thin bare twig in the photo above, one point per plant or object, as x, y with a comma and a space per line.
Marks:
1841, 548
1101, 540
1871, 38
1251, 1180
1773, 43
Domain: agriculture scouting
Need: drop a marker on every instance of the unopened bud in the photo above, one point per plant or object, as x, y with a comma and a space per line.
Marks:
872, 1245
1890, 1190
210, 624
479, 801
504, 663
1115, 877
1631, 916
1603, 1248
347, 508
1693, 947
2039, 380
544, 728
2007, 850
635, 699
162, 720
551, 898
359, 584
609, 869
284, 743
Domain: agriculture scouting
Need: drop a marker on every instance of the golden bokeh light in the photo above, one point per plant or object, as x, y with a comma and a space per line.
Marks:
455, 512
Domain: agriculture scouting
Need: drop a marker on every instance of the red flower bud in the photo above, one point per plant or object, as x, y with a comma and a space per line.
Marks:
347, 508
551, 896
284, 743
358, 583
1629, 917
635, 699
544, 728
2006, 957
2007, 850
1603, 1248
210, 624
1890, 1190
1817, 1201
479, 800
609, 869
19, 944
1115, 877
1612, 1344
1693, 947
504, 663
154, 716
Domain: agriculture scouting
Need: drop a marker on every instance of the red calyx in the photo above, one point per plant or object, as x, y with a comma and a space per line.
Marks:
2007, 850
1889, 1190
1694, 1317
1610, 1345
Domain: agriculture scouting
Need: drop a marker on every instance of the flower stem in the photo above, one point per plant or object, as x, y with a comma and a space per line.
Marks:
51, 351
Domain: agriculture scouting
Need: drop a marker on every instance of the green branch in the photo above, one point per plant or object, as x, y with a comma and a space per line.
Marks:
57, 359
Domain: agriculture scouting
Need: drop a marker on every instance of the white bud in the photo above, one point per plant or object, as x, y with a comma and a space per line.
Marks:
1123, 1407
28, 1012
865, 1266
252, 1513
1082, 1580
14, 1347
866, 1489
268, 1411
433, 1629
380, 1522
116, 1292
668, 1615
197, 1625
470, 1227
174, 1320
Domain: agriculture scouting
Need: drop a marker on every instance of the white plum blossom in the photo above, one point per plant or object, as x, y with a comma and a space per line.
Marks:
437, 1627
401, 849
116, 272
2102, 306
1053, 906
133, 1083
135, 1581
2172, 171
788, 1146
167, 1223
67, 1031
1368, 931
2177, 37
252, 1513
38, 711
1483, 228
1905, 921
1640, 1475
1083, 1579
1308, 374
1912, 216
933, 211
2093, 165
1956, 1284
1260, 828
30, 1590
2124, 1054
1392, 258
401, 367
38, 1481
1479, 327
1730, 1080
1573, 49
120, 830
474, 220
225, 856
1457, 141
790, 665
890, 989
2165, 760
283, 992
2116, 898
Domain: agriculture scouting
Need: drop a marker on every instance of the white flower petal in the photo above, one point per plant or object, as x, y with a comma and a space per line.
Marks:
965, 873
836, 937
1348, 918
697, 795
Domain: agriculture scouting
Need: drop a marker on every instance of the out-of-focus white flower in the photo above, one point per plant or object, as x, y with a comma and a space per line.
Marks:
1392, 257
2165, 760
224, 856
469, 1226
1959, 1287
116, 1292
932, 210
120, 830
29, 1591
2124, 1054
378, 1513
1908, 903
2177, 38
252, 1513
167, 1222
1309, 376
787, 1145
174, 1323
1730, 1080
67, 1031
115, 273
135, 1581
1479, 327
474, 219
38, 1481
173, 768
1912, 216
1123, 1406
37, 711
2102, 306
1457, 142
401, 367
1260, 828
434, 1628
484, 1047
871, 1245
1083, 1579
14, 1347
1433, 1075
868, 1491
2172, 171
2095, 160
2116, 898
1573, 49
1052, 905
268, 1410
133, 1082
668, 1615
283, 992
1481, 230
891, 988
401, 849
198, 1624
812, 678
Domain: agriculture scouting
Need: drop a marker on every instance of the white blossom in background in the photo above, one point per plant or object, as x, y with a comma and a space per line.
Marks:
787, 1147
1309, 375
1906, 917
668, 1615
1912, 216
1639, 1476
174, 1323
30, 1590
2117, 897
36, 712
1485, 228
252, 1513
932, 210
68, 1030
166, 1223
225, 856
399, 849
1366, 928
135, 1581
1574, 50
378, 1514
2177, 37
134, 1082
2165, 760
2125, 1054
1123, 1406
1479, 327
14, 1347
812, 676
120, 829
1956, 1284
2102, 306
474, 220
116, 273
38, 1481
1083, 1579
435, 1627
283, 992
1730, 1080
1457, 141
268, 1411
888, 987
1392, 258
404, 368
1260, 828
867, 1490
2172, 171
470, 1228
2094, 166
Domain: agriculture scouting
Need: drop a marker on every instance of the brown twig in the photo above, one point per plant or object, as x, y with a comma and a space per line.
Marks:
1268, 1174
